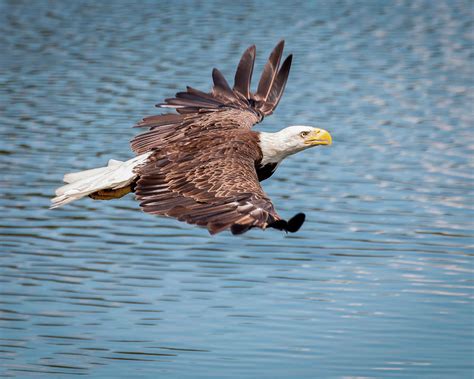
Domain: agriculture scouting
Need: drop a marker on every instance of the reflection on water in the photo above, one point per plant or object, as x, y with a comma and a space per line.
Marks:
377, 284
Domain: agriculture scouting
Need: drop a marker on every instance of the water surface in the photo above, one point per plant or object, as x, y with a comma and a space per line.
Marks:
378, 283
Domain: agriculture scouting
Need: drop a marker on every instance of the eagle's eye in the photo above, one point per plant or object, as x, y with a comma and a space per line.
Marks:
304, 134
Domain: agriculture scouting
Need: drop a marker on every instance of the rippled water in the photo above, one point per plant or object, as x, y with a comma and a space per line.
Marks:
377, 284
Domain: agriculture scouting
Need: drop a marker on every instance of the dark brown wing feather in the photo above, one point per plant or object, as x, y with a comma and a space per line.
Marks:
221, 89
243, 75
278, 87
208, 180
194, 106
269, 73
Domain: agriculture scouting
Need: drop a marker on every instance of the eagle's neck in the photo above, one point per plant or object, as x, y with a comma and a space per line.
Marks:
275, 147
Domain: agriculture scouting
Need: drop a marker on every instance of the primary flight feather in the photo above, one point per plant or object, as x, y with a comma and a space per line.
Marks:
203, 165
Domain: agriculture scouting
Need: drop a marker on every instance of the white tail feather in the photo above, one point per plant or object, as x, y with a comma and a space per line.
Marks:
75, 176
116, 175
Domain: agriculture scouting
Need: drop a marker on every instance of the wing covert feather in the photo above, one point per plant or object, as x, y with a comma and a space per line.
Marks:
210, 182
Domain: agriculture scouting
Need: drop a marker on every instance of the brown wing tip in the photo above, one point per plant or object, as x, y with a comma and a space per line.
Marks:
219, 80
252, 49
278, 51
292, 225
269, 73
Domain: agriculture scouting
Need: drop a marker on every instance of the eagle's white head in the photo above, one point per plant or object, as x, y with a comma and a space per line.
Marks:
277, 146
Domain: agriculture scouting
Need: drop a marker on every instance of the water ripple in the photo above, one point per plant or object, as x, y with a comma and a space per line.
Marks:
377, 283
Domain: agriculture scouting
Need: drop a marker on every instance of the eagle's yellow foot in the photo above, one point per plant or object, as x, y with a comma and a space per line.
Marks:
109, 194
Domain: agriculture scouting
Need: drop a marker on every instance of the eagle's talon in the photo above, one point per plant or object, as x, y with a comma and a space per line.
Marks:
109, 194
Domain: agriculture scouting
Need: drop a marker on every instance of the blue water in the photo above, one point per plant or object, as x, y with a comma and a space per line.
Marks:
379, 281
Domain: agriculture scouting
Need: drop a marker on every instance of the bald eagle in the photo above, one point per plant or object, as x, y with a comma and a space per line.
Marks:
204, 163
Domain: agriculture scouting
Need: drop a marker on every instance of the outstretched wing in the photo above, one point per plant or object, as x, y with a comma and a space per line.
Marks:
223, 108
209, 180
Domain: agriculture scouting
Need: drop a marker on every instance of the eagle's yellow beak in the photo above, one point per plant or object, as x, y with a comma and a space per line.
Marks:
318, 137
